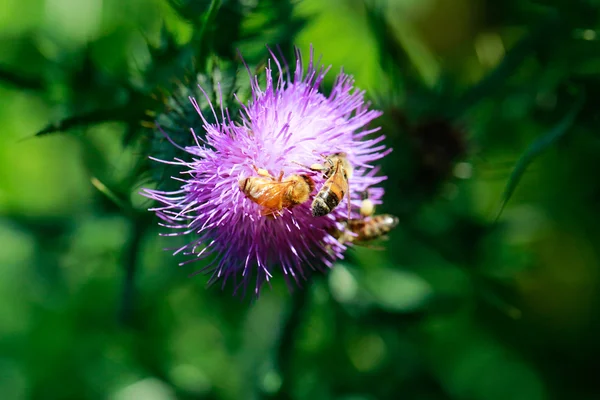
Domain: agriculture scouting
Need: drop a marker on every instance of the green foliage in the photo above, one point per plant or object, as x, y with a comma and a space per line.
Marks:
175, 115
537, 147
484, 102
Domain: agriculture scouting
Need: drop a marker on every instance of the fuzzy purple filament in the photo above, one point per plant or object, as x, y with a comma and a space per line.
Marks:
288, 123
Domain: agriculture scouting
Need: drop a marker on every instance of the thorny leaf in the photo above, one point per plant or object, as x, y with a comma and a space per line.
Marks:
19, 81
191, 10
132, 112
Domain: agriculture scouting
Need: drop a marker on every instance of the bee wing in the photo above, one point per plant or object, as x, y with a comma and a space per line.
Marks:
339, 170
275, 189
270, 194
348, 196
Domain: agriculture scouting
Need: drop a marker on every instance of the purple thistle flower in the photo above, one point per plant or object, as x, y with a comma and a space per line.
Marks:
283, 127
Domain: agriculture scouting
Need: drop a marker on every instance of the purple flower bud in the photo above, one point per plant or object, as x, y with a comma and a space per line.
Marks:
286, 127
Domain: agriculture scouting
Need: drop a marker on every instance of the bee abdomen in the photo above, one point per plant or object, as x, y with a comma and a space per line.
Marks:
324, 202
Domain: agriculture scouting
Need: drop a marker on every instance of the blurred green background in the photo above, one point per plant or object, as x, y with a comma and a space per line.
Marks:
486, 104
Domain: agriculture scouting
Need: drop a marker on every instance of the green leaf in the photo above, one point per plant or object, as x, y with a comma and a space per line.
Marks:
192, 10
111, 195
20, 81
94, 117
132, 113
397, 290
496, 79
536, 148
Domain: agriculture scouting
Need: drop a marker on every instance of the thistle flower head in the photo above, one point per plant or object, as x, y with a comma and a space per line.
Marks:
284, 127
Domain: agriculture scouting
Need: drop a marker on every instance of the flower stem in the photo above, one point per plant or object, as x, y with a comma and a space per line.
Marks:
130, 260
286, 344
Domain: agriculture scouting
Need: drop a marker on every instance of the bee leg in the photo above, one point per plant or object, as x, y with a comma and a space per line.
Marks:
302, 165
270, 213
349, 202
349, 205
313, 167
280, 176
265, 173
318, 167
367, 208
262, 172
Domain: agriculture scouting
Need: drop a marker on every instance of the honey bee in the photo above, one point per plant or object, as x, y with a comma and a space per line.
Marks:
367, 228
363, 230
274, 194
375, 227
337, 170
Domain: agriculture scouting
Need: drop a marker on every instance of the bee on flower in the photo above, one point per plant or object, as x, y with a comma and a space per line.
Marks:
249, 204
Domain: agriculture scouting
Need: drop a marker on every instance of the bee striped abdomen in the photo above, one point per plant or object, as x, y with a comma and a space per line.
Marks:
327, 199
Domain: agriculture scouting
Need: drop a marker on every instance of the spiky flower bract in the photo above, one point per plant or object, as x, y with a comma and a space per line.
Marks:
283, 127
